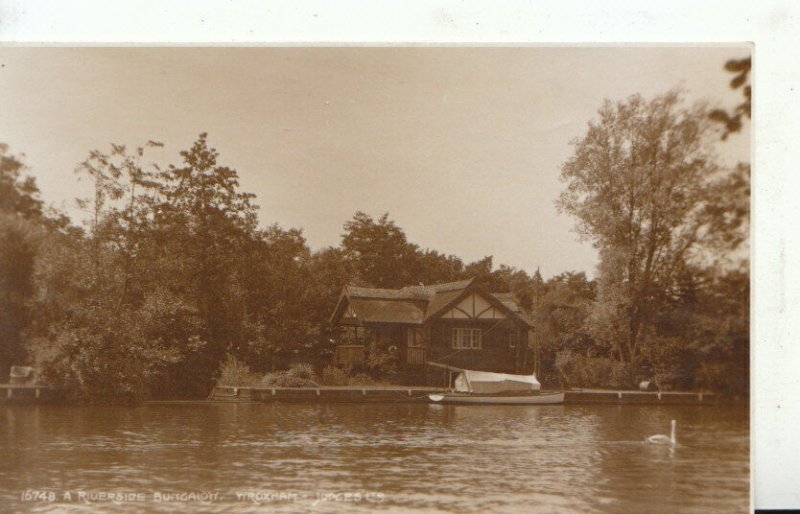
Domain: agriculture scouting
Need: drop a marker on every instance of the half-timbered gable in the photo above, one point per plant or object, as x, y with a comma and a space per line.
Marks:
457, 324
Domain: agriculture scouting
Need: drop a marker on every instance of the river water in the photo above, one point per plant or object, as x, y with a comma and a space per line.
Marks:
221, 457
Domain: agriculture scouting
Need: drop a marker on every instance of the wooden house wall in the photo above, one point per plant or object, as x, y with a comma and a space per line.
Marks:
437, 341
495, 353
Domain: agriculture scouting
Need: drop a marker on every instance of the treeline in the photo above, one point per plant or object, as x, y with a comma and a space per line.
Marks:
171, 275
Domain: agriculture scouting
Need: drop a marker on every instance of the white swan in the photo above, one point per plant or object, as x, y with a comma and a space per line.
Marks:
662, 439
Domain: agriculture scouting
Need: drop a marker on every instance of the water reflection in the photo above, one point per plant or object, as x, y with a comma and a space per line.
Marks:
433, 457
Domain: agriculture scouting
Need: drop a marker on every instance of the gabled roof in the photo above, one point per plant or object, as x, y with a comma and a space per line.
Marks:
508, 300
416, 304
387, 311
420, 292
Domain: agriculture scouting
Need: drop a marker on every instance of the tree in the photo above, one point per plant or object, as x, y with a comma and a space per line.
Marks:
164, 256
18, 194
91, 335
21, 216
561, 307
733, 121
432, 267
379, 250
125, 193
17, 257
637, 185
277, 292
201, 226
728, 215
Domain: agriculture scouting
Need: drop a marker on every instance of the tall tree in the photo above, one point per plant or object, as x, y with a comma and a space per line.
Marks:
637, 185
205, 221
17, 255
21, 213
560, 310
379, 249
277, 296
124, 193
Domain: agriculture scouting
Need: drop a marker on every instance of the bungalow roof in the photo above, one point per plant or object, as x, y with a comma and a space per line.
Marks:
411, 304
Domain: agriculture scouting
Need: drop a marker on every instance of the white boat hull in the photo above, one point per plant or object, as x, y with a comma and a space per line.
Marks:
499, 399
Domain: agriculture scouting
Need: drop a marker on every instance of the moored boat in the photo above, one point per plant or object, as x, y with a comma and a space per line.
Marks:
548, 398
483, 387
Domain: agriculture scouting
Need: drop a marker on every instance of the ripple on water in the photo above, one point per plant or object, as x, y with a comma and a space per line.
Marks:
433, 458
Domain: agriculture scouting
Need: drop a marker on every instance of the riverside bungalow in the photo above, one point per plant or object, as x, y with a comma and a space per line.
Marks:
457, 324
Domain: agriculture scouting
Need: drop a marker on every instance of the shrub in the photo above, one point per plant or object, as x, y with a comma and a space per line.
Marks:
586, 371
724, 377
98, 358
361, 379
299, 375
383, 364
302, 371
235, 373
331, 375
670, 361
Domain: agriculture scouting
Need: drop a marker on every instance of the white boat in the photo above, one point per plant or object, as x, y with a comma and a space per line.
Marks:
500, 399
483, 387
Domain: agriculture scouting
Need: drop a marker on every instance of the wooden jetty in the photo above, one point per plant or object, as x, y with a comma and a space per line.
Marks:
631, 397
388, 394
25, 393
357, 394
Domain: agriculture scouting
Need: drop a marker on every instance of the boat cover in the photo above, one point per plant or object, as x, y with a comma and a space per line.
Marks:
484, 382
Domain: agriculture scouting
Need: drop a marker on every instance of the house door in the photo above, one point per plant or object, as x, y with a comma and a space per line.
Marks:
415, 348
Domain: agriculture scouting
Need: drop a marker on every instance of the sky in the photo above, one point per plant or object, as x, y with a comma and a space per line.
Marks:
461, 146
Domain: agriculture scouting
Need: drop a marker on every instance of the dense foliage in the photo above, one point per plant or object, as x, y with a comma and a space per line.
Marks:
172, 284
671, 229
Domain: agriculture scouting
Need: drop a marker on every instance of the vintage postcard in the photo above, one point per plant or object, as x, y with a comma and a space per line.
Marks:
388, 259
506, 278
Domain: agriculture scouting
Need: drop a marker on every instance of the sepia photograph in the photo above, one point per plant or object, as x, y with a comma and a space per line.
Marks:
392, 278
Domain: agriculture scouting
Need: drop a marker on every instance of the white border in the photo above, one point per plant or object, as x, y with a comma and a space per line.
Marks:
771, 24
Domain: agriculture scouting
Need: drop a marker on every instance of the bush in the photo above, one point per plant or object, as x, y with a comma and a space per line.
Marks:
303, 371
670, 361
361, 379
331, 375
299, 375
724, 377
586, 371
97, 357
235, 373
383, 364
